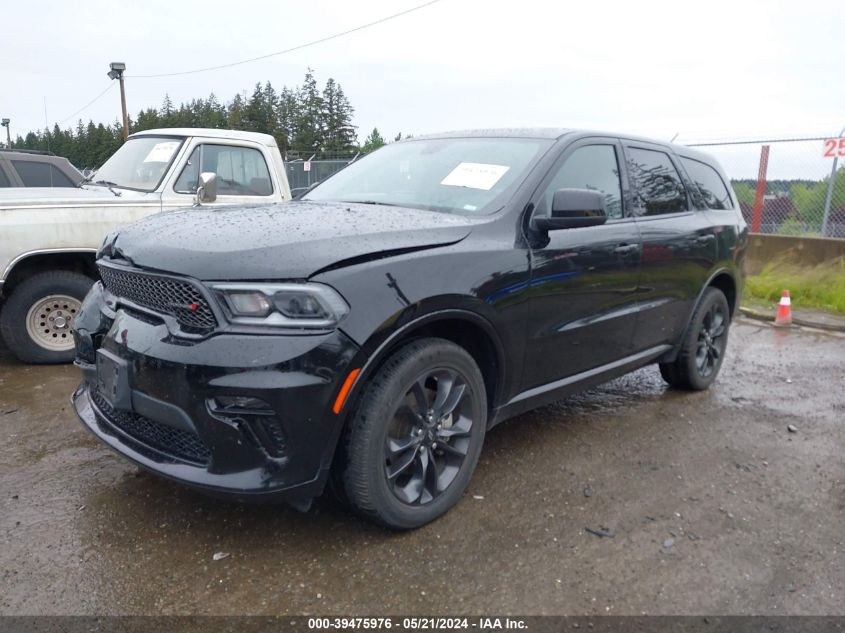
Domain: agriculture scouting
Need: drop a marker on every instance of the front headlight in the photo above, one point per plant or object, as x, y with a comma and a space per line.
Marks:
292, 305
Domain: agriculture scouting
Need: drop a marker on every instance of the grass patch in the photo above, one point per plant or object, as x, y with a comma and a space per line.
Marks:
819, 287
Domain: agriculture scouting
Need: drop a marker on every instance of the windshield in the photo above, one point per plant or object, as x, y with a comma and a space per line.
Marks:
139, 164
454, 175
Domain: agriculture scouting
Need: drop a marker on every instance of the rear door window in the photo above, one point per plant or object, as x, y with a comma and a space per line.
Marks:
35, 174
4, 179
709, 183
657, 185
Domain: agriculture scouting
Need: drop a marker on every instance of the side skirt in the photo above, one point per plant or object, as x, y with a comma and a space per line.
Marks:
553, 391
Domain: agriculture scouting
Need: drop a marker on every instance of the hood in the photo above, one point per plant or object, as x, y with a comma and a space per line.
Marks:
280, 241
89, 195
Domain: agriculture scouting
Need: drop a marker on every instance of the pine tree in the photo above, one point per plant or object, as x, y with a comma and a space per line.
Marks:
373, 142
339, 133
166, 107
308, 125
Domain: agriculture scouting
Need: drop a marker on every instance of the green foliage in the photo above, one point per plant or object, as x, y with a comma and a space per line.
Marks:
821, 286
744, 192
810, 199
373, 142
304, 121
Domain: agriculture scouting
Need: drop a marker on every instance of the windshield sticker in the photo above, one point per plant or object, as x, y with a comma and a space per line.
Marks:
162, 152
475, 176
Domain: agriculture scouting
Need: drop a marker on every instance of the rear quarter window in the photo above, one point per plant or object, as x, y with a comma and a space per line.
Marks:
709, 183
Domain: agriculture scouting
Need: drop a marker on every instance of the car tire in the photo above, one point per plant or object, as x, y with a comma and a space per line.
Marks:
36, 319
414, 439
703, 348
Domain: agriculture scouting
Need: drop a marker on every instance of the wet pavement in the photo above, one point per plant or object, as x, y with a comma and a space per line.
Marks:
707, 502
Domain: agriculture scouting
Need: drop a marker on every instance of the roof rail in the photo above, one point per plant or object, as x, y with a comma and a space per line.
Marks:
26, 151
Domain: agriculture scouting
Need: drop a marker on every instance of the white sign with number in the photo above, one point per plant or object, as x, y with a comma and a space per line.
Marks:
834, 147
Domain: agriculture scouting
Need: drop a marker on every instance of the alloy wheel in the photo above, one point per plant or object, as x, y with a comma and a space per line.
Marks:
429, 436
711, 340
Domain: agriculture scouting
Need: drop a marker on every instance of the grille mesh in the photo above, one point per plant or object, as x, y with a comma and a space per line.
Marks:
162, 294
174, 442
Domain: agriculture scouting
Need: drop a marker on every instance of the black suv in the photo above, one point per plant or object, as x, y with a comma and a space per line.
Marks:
370, 334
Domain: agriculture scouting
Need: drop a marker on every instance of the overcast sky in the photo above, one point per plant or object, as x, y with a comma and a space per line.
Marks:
705, 70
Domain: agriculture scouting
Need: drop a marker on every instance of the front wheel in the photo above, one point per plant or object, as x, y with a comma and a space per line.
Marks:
703, 348
37, 317
414, 441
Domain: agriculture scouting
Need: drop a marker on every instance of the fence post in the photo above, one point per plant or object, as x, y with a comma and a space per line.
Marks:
760, 196
829, 196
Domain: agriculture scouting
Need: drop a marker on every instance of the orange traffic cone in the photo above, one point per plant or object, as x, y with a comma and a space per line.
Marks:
784, 315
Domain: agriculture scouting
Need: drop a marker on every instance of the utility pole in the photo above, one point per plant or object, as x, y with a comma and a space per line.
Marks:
116, 72
5, 124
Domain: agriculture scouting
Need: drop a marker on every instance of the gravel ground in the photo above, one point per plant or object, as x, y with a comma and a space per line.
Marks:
628, 499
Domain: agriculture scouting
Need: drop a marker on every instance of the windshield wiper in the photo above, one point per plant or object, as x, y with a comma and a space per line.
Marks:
376, 202
109, 184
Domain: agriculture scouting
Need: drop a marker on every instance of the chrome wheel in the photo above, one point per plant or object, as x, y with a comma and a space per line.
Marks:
711, 340
48, 322
428, 437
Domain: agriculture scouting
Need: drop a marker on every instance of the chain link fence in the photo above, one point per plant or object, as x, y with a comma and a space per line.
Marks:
304, 173
787, 186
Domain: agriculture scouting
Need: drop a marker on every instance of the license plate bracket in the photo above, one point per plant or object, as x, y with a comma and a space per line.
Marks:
113, 380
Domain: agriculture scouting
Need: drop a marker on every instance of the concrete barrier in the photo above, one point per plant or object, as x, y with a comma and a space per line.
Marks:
805, 251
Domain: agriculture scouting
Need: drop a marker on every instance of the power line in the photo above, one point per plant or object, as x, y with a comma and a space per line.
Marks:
110, 86
294, 48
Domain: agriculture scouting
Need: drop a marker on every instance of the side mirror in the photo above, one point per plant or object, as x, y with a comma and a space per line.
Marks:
207, 191
573, 208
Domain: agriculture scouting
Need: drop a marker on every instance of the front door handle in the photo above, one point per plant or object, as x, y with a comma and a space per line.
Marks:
624, 249
703, 239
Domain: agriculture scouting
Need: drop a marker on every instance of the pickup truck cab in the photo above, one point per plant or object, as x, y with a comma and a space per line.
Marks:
48, 237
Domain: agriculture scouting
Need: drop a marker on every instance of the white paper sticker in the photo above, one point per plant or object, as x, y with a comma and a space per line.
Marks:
162, 152
475, 175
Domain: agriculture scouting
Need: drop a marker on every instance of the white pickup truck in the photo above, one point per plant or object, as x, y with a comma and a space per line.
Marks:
48, 237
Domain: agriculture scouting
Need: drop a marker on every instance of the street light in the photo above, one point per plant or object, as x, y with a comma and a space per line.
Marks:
116, 72
5, 124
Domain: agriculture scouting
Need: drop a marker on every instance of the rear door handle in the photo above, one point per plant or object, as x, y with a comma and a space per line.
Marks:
624, 249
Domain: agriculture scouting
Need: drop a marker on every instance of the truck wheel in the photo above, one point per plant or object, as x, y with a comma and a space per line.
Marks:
36, 319
703, 348
415, 439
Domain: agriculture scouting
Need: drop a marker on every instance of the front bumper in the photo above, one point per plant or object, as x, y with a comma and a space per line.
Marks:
239, 415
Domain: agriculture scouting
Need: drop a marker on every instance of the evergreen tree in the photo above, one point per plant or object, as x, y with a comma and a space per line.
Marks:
308, 128
339, 132
304, 120
373, 142
166, 107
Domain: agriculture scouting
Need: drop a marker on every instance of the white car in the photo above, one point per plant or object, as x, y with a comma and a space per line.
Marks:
48, 237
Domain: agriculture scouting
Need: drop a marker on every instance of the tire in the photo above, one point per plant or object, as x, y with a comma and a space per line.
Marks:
36, 319
402, 468
703, 348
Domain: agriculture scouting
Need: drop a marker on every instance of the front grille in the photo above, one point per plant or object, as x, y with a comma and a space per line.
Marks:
166, 295
177, 443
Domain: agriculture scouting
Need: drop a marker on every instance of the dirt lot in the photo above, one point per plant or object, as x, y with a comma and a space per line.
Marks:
713, 505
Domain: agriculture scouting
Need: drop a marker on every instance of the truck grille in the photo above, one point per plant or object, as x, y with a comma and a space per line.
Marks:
165, 295
161, 437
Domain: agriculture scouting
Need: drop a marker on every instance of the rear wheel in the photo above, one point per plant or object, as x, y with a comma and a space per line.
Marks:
37, 317
415, 439
703, 348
